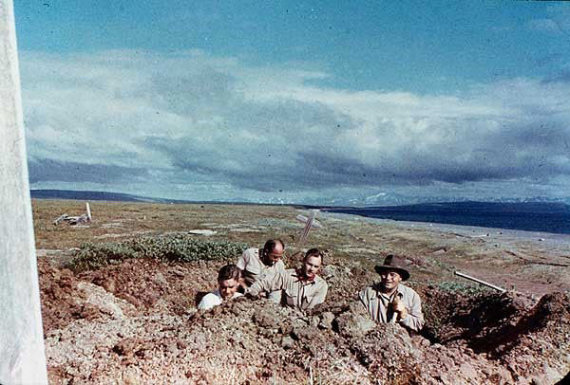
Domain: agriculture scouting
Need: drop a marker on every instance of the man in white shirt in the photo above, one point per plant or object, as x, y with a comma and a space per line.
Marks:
258, 264
229, 278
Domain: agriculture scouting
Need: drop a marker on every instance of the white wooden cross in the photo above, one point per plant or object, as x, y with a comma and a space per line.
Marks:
309, 223
22, 358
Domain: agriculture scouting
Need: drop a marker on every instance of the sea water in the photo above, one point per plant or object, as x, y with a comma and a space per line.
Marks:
528, 216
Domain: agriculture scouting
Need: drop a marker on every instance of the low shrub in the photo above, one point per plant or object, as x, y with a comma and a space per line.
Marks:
92, 256
177, 248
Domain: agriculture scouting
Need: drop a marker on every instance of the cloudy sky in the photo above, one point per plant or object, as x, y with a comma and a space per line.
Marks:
367, 102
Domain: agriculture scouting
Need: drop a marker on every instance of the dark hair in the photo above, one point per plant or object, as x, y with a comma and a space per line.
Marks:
229, 272
315, 253
271, 243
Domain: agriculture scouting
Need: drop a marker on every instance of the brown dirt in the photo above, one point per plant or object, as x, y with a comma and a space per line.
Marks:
136, 323
156, 335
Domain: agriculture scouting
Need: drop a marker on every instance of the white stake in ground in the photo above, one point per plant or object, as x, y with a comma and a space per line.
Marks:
22, 358
309, 223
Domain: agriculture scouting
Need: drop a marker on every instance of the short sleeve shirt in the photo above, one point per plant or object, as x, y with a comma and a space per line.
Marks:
297, 293
254, 269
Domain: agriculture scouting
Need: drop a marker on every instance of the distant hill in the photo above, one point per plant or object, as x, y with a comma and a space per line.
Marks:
119, 197
90, 196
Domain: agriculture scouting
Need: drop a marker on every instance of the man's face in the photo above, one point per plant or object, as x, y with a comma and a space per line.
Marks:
270, 258
390, 280
312, 266
228, 287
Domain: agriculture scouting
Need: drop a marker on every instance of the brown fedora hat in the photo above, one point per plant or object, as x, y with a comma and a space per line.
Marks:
394, 263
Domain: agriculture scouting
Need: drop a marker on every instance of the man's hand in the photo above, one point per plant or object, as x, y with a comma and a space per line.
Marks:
399, 307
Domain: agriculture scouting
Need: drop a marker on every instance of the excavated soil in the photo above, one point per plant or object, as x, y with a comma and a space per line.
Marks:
136, 323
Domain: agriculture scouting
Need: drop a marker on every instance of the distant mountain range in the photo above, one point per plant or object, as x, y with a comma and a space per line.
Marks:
383, 201
120, 197
94, 196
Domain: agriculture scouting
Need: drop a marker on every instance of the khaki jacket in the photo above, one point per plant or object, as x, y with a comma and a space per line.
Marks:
378, 306
253, 268
296, 293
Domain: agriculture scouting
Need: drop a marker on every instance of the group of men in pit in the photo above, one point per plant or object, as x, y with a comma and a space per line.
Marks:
262, 272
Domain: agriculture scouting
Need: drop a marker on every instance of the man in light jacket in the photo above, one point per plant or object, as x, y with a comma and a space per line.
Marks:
257, 264
302, 288
392, 301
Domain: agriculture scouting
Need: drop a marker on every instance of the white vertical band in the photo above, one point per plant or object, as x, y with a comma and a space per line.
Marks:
22, 356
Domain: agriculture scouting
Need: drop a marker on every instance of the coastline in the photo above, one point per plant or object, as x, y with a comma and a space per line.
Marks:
463, 230
534, 263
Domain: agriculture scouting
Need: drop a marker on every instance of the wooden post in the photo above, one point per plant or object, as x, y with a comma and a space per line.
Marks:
22, 357
309, 223
480, 281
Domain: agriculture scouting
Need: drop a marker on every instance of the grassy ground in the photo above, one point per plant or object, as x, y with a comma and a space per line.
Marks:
529, 263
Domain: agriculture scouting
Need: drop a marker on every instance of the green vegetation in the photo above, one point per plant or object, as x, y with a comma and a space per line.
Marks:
176, 248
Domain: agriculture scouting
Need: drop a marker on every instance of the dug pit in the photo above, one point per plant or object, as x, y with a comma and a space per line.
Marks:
135, 323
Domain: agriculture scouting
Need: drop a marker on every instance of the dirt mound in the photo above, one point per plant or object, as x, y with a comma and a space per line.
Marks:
539, 345
154, 286
58, 296
530, 342
479, 318
136, 323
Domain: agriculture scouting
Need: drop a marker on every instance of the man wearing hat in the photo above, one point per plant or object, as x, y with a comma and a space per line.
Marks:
390, 300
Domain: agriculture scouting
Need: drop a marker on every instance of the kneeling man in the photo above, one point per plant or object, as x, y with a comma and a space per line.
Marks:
302, 288
257, 264
392, 301
229, 278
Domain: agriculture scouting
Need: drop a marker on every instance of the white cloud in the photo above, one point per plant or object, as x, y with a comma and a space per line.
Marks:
189, 118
